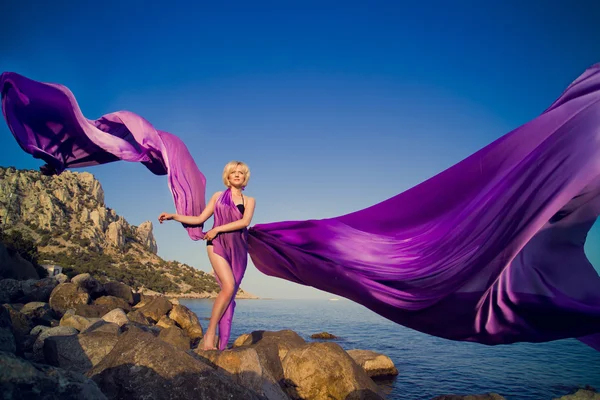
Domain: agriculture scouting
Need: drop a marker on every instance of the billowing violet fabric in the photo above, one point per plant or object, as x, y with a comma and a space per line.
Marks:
490, 250
47, 123
233, 247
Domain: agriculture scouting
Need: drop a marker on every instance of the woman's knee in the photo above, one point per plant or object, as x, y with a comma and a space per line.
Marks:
228, 289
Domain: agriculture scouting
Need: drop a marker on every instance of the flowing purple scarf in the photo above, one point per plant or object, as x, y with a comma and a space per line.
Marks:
233, 247
489, 250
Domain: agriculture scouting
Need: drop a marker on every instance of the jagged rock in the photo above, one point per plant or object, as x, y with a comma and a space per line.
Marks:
38, 346
20, 379
136, 316
79, 353
325, 371
176, 337
239, 342
156, 308
116, 316
10, 290
375, 364
67, 295
187, 320
37, 290
131, 371
113, 302
89, 284
92, 310
21, 323
120, 290
165, 322
38, 329
145, 236
135, 327
487, 396
245, 368
14, 266
114, 234
104, 326
75, 321
38, 312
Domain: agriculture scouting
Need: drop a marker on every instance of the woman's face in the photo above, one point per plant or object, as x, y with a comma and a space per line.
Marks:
236, 177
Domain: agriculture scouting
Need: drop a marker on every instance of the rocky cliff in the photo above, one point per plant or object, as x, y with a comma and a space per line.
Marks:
67, 218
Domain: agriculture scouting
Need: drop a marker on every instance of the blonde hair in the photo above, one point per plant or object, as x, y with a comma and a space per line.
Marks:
230, 167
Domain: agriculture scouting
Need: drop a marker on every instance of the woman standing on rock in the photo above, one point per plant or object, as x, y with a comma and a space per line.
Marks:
227, 245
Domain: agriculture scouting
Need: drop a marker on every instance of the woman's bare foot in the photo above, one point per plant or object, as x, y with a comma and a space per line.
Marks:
209, 342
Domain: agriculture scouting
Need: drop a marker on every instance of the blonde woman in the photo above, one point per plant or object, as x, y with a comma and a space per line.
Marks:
227, 246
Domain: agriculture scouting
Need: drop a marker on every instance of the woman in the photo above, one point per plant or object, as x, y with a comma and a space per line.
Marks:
227, 246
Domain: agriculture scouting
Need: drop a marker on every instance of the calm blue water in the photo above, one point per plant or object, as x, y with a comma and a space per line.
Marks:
428, 366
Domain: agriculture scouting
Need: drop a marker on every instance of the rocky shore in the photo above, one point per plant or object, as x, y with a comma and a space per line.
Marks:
81, 339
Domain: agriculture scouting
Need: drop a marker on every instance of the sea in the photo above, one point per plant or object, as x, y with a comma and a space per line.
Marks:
428, 366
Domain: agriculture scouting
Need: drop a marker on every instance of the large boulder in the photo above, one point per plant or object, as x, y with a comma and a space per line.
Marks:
37, 290
113, 302
39, 313
38, 346
136, 316
20, 379
141, 366
326, 371
116, 316
376, 365
244, 367
10, 290
587, 393
104, 326
76, 321
187, 320
92, 310
156, 308
89, 284
66, 296
176, 337
79, 353
118, 289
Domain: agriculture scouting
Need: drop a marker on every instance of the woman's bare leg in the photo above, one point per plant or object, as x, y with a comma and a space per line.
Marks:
227, 281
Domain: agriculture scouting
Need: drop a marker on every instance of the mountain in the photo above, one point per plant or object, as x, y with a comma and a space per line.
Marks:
66, 218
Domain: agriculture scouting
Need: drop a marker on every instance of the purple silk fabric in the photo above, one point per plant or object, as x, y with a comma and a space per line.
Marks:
489, 250
233, 247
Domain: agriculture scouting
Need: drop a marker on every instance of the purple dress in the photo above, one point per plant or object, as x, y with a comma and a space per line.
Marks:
490, 250
233, 247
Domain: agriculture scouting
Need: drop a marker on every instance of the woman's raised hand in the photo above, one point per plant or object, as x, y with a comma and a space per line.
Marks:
165, 217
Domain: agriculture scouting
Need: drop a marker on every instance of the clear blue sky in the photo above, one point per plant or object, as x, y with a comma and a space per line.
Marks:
335, 106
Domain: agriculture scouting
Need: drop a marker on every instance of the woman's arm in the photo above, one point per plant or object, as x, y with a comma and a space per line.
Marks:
242, 223
193, 219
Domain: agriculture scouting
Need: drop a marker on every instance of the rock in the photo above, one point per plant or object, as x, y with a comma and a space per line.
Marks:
285, 340
145, 236
7, 339
582, 394
176, 337
376, 365
136, 316
39, 313
79, 353
104, 326
141, 366
89, 284
323, 335
13, 266
113, 302
116, 316
156, 308
38, 329
67, 295
487, 396
114, 234
241, 340
75, 321
20, 379
92, 310
10, 290
187, 320
61, 278
37, 290
120, 290
134, 326
174, 301
325, 371
38, 354
21, 323
244, 367
165, 322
